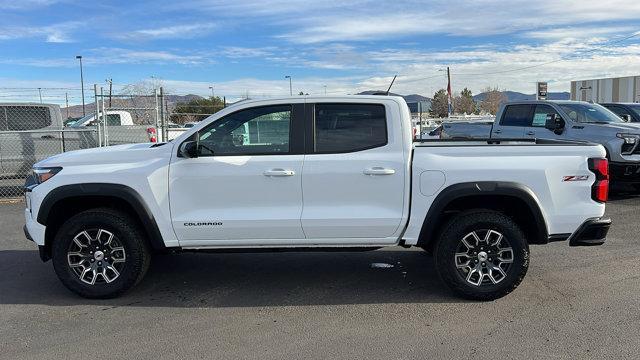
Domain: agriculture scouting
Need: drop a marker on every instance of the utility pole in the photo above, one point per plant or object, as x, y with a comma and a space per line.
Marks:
79, 57
66, 101
40, 93
290, 88
110, 81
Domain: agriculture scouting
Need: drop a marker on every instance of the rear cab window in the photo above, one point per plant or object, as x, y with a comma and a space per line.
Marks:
19, 118
342, 128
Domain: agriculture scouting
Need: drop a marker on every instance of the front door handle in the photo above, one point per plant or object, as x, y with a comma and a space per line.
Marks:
279, 172
498, 131
379, 171
530, 133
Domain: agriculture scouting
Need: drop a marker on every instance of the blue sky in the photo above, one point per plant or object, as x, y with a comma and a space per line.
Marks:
247, 47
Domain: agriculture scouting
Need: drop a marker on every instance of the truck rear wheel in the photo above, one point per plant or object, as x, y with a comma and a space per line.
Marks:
100, 254
482, 255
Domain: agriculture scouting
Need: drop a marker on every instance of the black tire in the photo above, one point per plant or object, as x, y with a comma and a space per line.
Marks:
133, 262
450, 243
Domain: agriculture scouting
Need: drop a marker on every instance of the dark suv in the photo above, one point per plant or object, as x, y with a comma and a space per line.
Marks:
627, 111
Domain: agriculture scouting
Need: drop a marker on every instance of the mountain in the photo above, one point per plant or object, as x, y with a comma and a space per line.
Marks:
517, 96
129, 102
412, 98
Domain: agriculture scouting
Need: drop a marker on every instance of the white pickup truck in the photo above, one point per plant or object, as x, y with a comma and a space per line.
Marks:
315, 172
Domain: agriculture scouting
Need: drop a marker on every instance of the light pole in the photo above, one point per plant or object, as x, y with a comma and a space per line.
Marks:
79, 57
40, 93
212, 93
290, 88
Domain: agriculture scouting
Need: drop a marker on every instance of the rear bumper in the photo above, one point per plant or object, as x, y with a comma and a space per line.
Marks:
591, 233
625, 172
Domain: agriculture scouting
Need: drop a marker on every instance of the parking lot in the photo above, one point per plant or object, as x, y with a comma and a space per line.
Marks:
575, 303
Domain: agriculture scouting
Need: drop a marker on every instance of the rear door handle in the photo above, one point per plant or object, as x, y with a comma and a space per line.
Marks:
530, 133
498, 131
279, 172
379, 171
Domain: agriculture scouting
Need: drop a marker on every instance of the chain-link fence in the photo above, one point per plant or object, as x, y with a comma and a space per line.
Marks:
33, 131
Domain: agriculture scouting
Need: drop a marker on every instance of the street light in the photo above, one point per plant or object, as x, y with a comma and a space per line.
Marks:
212, 94
40, 93
290, 88
79, 57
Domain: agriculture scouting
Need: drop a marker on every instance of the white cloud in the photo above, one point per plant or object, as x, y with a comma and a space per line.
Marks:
26, 4
56, 33
170, 32
331, 21
578, 32
107, 55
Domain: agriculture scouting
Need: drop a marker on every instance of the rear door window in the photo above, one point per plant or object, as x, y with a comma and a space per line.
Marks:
517, 115
341, 128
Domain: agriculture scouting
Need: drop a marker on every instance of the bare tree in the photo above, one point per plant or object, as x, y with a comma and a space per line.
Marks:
492, 100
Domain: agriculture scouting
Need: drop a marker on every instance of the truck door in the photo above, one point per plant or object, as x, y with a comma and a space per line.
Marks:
246, 182
513, 122
354, 174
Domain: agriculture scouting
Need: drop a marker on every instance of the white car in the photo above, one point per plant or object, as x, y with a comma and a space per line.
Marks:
315, 172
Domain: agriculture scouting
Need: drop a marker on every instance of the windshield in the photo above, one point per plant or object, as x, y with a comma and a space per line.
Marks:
635, 108
590, 113
82, 120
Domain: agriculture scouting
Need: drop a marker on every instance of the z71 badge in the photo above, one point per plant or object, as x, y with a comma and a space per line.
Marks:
575, 178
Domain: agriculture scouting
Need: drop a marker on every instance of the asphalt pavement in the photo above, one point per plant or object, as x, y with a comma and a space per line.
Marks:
575, 303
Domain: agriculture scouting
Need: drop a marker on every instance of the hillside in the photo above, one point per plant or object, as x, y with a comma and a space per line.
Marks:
518, 96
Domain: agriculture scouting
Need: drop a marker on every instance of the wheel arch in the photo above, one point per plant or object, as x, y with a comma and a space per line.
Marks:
65, 201
514, 199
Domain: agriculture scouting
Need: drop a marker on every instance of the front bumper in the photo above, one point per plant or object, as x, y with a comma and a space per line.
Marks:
591, 233
622, 172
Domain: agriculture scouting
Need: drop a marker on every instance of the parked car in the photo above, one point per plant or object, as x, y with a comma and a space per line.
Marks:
629, 112
120, 127
574, 120
189, 125
237, 181
27, 135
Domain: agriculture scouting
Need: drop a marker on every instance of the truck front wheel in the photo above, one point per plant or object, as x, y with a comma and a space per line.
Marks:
482, 255
100, 253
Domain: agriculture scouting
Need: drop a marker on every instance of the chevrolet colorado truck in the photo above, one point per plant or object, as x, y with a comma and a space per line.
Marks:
335, 173
569, 120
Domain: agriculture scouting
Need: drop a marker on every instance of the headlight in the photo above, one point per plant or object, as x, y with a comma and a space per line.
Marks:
44, 173
629, 138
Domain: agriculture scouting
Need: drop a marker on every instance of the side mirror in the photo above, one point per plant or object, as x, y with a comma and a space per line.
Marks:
189, 149
554, 123
626, 117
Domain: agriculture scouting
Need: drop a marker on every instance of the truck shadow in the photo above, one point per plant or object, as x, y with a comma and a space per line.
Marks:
244, 280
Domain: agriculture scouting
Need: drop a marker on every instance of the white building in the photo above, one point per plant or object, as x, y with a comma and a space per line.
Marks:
622, 89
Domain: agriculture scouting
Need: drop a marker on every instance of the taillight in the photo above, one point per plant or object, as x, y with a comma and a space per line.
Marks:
152, 134
600, 188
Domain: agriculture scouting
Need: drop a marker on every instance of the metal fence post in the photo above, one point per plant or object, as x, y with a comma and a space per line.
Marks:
104, 119
95, 97
155, 93
163, 120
